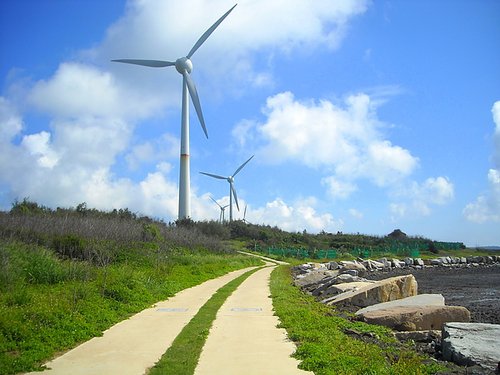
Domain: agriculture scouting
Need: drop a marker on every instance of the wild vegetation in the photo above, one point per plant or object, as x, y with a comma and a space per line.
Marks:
67, 274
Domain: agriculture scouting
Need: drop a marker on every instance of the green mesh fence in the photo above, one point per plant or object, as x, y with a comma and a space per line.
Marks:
393, 248
332, 253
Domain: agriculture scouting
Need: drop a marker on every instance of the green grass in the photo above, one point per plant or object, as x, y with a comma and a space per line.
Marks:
325, 348
182, 357
49, 305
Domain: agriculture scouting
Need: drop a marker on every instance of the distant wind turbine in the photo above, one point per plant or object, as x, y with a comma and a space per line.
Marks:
184, 66
222, 209
245, 215
232, 190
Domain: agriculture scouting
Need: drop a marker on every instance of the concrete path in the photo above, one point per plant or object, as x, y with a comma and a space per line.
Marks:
244, 339
135, 344
266, 259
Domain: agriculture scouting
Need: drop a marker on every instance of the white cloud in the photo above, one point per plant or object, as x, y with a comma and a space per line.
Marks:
94, 112
164, 30
38, 145
338, 189
10, 122
165, 147
486, 207
345, 140
298, 216
80, 91
418, 199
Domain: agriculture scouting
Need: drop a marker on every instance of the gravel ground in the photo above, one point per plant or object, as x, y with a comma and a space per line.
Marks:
476, 288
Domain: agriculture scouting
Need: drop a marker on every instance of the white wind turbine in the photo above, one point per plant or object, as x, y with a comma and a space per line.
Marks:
222, 209
184, 66
232, 190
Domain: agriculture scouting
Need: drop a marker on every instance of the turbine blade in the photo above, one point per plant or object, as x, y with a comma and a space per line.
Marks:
242, 165
233, 190
217, 203
196, 100
214, 176
207, 33
150, 63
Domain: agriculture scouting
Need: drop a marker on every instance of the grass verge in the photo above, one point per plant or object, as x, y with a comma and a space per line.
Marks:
325, 342
49, 305
182, 357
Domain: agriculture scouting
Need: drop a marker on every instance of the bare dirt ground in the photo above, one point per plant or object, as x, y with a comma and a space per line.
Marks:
475, 288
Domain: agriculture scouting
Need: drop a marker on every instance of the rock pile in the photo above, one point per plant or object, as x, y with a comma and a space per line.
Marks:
393, 302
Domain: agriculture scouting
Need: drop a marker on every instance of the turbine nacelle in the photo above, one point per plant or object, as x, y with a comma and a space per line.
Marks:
183, 64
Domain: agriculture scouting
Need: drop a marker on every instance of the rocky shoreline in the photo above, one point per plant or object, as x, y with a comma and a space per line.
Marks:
469, 285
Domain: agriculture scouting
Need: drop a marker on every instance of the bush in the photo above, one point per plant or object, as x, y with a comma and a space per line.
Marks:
70, 246
42, 267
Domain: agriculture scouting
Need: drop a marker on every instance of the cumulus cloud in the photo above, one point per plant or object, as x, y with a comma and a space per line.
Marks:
344, 140
486, 207
10, 121
78, 91
164, 30
38, 145
94, 107
338, 189
418, 199
165, 147
297, 216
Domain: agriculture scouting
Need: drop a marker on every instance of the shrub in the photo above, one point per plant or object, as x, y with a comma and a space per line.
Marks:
70, 246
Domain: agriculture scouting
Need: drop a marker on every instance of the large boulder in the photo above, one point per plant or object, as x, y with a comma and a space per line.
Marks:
416, 318
418, 300
470, 344
380, 291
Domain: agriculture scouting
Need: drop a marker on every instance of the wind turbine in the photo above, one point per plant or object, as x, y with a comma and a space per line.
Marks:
222, 209
232, 190
184, 66
245, 215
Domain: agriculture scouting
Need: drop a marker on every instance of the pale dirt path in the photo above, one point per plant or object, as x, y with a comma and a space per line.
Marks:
244, 339
264, 258
135, 344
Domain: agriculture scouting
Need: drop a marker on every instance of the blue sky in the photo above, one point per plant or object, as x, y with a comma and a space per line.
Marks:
363, 116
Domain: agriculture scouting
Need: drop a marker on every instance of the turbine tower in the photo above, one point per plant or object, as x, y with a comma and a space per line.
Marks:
184, 66
232, 190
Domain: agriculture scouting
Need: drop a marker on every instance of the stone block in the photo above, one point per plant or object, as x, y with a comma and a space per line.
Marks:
469, 344
418, 300
346, 287
377, 292
416, 318
419, 262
